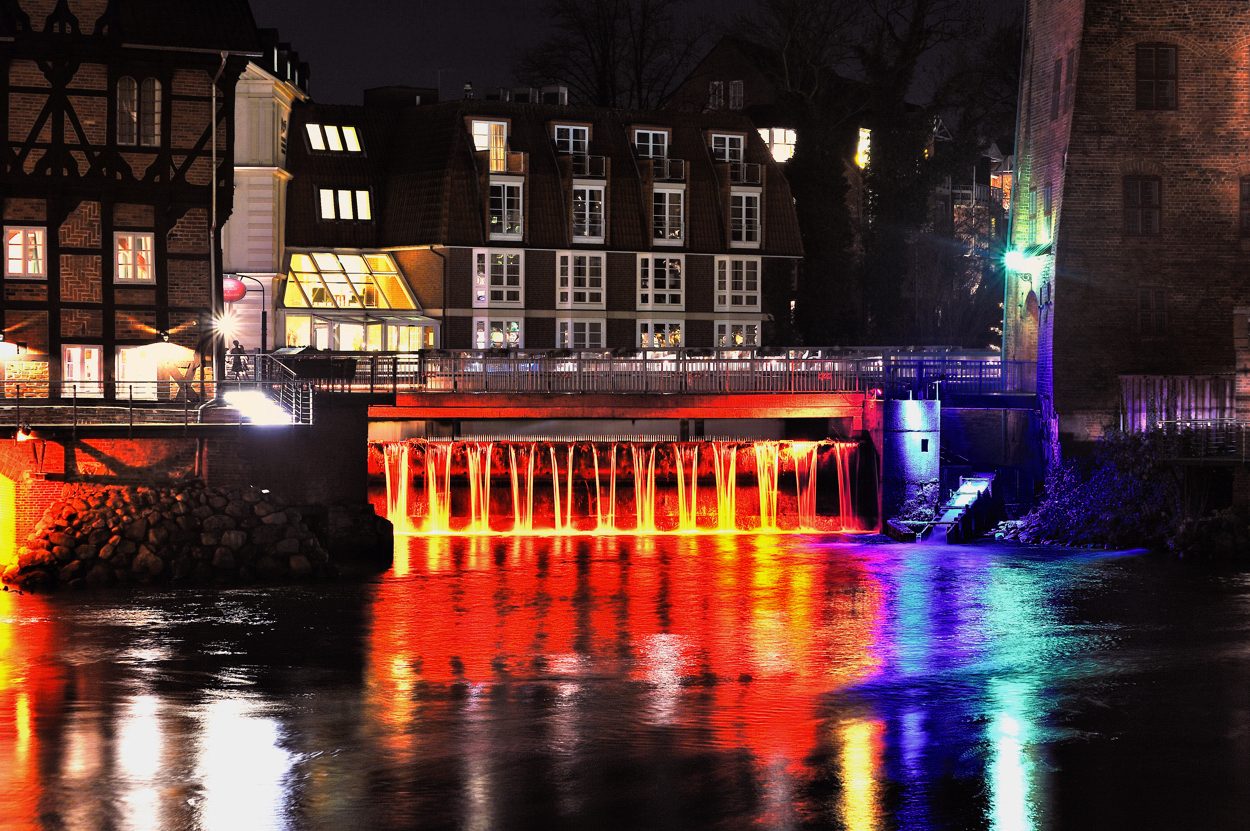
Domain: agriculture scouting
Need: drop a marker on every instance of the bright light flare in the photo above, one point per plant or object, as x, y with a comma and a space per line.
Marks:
257, 407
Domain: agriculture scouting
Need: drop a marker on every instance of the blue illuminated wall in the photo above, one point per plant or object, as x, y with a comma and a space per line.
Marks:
911, 436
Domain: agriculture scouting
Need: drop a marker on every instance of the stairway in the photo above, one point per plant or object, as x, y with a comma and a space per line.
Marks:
971, 510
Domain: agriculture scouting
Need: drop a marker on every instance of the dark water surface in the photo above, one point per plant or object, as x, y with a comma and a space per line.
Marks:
652, 683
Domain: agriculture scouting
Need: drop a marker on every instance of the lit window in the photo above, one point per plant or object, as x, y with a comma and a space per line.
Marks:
505, 211
659, 334
587, 214
492, 136
863, 153
1142, 197
81, 369
345, 204
579, 334
1156, 77
716, 95
498, 279
660, 283
573, 140
668, 227
651, 144
780, 143
134, 258
24, 253
727, 149
580, 281
737, 284
495, 333
737, 333
744, 220
333, 138
735, 95
321, 279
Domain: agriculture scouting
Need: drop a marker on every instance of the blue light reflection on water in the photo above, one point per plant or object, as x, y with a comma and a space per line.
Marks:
774, 681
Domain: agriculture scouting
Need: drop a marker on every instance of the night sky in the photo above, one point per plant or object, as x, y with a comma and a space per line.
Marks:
355, 44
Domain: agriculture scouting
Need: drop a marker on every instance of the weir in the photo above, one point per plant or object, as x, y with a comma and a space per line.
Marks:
627, 487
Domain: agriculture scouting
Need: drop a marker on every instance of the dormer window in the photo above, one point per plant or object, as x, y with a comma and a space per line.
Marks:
727, 148
492, 136
345, 204
735, 95
716, 95
651, 144
572, 140
332, 138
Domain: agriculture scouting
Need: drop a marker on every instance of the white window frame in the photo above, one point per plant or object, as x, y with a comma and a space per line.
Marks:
737, 95
716, 95
76, 372
483, 324
125, 269
649, 325
593, 220
743, 232
646, 294
507, 185
664, 231
342, 205
733, 282
567, 288
729, 147
23, 246
575, 141
491, 289
333, 138
492, 136
647, 151
567, 335
724, 333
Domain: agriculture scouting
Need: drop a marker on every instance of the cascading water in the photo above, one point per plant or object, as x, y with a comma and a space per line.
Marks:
532, 487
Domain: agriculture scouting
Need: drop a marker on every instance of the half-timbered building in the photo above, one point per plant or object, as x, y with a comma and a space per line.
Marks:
110, 218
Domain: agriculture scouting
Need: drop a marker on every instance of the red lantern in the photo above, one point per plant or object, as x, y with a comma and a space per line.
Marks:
232, 290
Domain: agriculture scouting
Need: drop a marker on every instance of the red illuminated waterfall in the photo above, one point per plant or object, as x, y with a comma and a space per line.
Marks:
567, 487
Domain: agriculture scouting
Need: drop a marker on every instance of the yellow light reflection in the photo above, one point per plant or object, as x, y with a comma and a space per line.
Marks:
861, 760
243, 768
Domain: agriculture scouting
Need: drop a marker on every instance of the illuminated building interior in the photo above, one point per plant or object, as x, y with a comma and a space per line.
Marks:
520, 487
351, 302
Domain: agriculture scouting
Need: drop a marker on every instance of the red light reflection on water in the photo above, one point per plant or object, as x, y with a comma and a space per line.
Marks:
730, 619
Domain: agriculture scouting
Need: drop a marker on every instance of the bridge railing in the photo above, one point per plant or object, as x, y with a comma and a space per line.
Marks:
658, 371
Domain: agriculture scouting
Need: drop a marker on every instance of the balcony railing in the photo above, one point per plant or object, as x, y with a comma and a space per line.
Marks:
505, 161
660, 371
594, 167
669, 170
744, 173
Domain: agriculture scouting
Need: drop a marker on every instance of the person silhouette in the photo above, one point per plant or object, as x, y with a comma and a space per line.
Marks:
237, 368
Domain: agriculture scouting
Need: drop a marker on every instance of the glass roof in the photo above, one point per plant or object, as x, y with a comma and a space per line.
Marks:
328, 280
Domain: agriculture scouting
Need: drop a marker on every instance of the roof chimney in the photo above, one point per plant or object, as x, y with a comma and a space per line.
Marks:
468, 90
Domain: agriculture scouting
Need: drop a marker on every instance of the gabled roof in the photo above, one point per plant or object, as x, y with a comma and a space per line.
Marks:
196, 24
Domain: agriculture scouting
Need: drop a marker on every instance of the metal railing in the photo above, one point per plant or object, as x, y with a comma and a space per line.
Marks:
595, 167
1194, 439
659, 371
744, 173
673, 170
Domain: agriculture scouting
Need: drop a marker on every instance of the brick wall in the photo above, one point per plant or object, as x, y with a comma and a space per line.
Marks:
540, 282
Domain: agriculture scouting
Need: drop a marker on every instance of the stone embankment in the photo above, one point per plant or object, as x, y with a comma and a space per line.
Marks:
188, 534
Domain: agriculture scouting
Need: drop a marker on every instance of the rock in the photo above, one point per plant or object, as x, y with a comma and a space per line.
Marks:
86, 551
99, 537
276, 519
63, 554
137, 530
107, 552
300, 567
158, 536
234, 539
218, 502
35, 558
223, 558
252, 495
147, 563
267, 534
63, 540
70, 571
127, 547
288, 547
263, 509
80, 505
238, 509
188, 523
202, 512
218, 523
293, 516
269, 567
99, 575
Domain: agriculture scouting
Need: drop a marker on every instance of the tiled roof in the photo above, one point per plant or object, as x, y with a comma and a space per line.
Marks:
419, 161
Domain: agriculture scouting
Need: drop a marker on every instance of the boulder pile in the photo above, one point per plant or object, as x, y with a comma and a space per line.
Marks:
185, 534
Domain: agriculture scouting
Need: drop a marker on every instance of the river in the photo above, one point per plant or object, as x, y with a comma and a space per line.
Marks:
672, 682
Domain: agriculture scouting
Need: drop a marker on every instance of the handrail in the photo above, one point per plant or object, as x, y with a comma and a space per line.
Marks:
591, 166
664, 168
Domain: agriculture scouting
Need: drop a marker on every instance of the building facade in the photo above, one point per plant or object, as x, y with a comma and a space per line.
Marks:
1131, 211
499, 224
107, 186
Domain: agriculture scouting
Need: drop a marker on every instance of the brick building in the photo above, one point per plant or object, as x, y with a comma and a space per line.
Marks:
1131, 212
108, 205
509, 224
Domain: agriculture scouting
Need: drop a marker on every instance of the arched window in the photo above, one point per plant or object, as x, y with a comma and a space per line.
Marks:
150, 113
127, 111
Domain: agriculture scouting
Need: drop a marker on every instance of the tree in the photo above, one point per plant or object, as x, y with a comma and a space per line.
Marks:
615, 53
